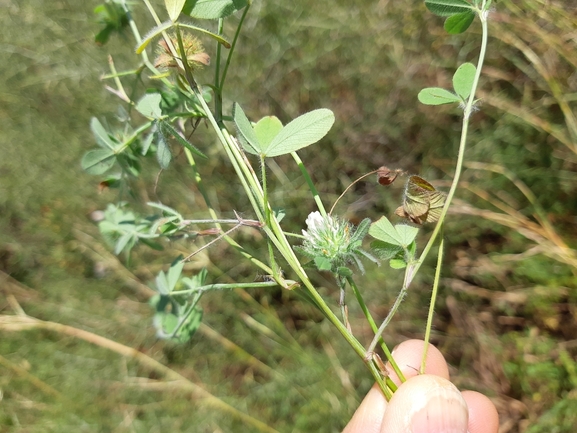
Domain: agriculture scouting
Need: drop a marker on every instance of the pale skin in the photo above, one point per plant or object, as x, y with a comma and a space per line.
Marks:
427, 403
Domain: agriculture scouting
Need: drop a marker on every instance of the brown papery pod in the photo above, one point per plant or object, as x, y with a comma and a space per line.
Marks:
385, 176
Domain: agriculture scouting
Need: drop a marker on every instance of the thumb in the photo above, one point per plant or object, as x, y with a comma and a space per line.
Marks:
426, 404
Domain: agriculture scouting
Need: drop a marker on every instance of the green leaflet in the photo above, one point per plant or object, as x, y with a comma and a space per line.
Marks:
446, 8
174, 7
437, 96
301, 132
463, 80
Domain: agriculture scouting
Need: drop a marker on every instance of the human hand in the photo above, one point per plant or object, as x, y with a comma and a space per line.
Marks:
426, 403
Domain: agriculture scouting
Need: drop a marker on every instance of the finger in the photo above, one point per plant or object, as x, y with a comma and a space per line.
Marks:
483, 416
426, 403
369, 415
409, 355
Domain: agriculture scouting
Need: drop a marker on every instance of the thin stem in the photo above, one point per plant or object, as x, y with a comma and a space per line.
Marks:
413, 268
137, 36
254, 191
343, 303
462, 146
121, 74
218, 54
310, 183
267, 210
267, 219
152, 12
349, 187
218, 89
185, 223
133, 137
225, 286
373, 325
117, 81
379, 379
432, 305
205, 246
184, 318
233, 45
392, 311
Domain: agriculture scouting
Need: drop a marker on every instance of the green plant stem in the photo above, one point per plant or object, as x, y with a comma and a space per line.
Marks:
152, 12
432, 304
119, 86
277, 236
137, 36
215, 221
254, 191
344, 311
392, 312
373, 325
379, 379
310, 183
121, 74
217, 85
413, 268
267, 210
186, 315
462, 146
133, 137
233, 45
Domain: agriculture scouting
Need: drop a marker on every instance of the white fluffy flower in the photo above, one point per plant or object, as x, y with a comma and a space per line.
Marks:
331, 240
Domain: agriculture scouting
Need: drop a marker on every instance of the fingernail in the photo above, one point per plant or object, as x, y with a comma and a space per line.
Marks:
444, 411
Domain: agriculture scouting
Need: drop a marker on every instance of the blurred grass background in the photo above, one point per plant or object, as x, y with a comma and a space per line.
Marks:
507, 318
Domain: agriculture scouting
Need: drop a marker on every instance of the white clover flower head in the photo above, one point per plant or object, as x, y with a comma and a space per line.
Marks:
327, 237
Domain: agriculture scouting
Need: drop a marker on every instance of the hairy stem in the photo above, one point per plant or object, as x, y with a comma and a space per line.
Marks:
462, 144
